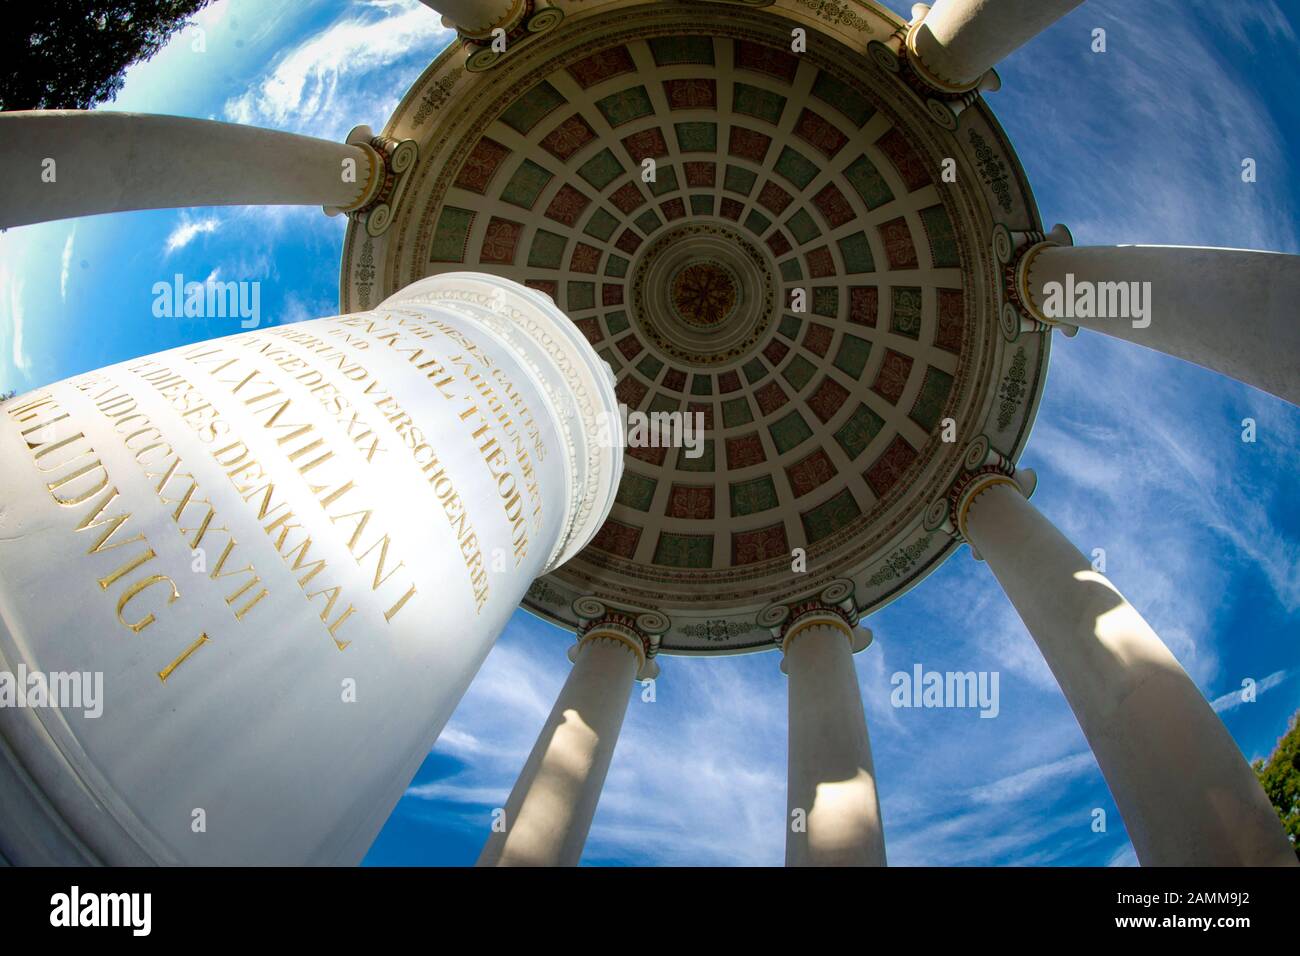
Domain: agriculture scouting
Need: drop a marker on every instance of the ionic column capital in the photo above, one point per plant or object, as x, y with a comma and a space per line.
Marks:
389, 165
916, 59
833, 606
491, 29
983, 467
859, 638
637, 631
943, 100
1016, 252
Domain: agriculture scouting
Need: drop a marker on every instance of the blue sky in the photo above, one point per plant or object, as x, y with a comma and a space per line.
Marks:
1137, 453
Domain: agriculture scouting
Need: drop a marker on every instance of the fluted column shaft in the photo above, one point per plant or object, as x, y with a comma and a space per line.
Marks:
550, 809
961, 40
477, 18
832, 809
1230, 310
1186, 794
104, 161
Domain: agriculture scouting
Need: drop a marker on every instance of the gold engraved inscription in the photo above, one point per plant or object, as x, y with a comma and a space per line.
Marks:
176, 488
319, 387
484, 411
185, 655
413, 439
307, 456
75, 477
305, 450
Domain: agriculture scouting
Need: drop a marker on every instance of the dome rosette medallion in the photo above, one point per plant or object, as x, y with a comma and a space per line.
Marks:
703, 294
777, 178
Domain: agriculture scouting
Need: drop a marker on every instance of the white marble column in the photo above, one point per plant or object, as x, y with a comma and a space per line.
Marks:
550, 809
266, 568
58, 164
832, 809
478, 18
1235, 311
958, 41
1185, 792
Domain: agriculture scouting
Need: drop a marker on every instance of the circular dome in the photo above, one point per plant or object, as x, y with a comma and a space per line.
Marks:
791, 246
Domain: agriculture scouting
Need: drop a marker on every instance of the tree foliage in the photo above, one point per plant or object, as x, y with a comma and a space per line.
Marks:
72, 54
1280, 776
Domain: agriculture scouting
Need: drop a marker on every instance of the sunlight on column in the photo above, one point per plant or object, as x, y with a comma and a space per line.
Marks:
1122, 630
841, 811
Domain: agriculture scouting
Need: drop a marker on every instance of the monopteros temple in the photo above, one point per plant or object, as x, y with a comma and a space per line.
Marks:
795, 221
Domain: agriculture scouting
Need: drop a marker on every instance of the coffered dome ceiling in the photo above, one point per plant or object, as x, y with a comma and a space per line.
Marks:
777, 176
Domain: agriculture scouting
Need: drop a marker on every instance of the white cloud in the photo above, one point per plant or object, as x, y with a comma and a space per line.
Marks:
1019, 784
691, 784
11, 299
212, 15
1124, 856
1235, 698
450, 791
347, 74
65, 266
187, 230
1149, 150
297, 309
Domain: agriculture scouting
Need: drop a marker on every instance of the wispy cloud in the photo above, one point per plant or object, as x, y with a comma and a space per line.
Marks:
1124, 856
65, 264
1160, 149
1235, 698
353, 70
690, 785
187, 230
11, 299
298, 309
1020, 784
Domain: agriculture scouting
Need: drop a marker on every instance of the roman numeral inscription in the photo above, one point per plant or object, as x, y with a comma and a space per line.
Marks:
77, 480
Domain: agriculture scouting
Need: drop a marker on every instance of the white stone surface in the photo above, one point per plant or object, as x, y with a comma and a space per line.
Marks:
106, 161
121, 491
1235, 311
832, 783
550, 809
478, 17
1187, 796
961, 40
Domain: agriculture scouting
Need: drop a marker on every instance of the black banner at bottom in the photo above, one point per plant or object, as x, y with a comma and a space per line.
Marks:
375, 905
